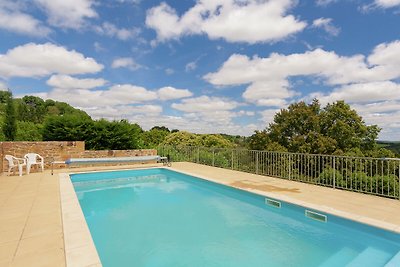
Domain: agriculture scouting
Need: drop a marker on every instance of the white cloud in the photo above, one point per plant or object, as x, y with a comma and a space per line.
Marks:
386, 54
245, 113
38, 60
191, 66
136, 2
249, 21
363, 92
68, 82
15, 21
205, 104
168, 93
98, 47
267, 116
68, 14
387, 3
111, 30
325, 2
193, 124
123, 111
269, 77
386, 114
206, 114
169, 71
327, 25
3, 86
125, 62
124, 94
269, 93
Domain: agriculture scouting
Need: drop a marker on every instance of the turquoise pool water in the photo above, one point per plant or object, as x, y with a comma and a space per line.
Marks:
158, 217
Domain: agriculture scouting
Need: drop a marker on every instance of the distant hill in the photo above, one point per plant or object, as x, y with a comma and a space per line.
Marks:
391, 145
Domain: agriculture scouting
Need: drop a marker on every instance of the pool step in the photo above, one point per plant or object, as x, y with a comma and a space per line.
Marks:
395, 261
370, 257
340, 258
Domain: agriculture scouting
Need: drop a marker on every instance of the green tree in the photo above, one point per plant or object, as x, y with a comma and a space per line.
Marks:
259, 140
307, 128
114, 135
67, 128
214, 140
10, 121
61, 108
298, 129
31, 108
161, 128
189, 139
28, 131
181, 138
347, 128
154, 137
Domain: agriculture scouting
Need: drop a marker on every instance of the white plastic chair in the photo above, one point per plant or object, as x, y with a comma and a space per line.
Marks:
33, 159
14, 162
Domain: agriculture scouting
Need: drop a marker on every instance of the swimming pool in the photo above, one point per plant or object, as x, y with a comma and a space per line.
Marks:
158, 217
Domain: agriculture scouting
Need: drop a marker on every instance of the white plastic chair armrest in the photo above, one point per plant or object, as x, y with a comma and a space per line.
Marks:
21, 161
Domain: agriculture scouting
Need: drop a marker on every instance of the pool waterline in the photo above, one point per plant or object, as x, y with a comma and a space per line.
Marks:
269, 196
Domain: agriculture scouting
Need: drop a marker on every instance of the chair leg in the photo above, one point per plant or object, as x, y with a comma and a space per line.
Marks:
20, 170
28, 168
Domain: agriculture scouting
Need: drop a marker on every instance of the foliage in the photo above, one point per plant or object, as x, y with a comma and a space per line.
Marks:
114, 135
214, 140
307, 128
239, 141
326, 177
154, 137
392, 146
342, 124
101, 134
28, 131
32, 109
183, 138
67, 128
10, 121
259, 140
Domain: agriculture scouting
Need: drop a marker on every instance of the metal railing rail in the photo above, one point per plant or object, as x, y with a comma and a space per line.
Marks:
377, 176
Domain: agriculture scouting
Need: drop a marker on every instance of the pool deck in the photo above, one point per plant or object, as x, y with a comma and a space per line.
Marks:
34, 223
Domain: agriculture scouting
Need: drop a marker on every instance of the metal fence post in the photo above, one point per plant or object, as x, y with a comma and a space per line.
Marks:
334, 172
257, 162
213, 158
290, 167
198, 154
232, 159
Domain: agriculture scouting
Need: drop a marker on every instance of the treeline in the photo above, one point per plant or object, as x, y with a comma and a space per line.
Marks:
392, 146
33, 119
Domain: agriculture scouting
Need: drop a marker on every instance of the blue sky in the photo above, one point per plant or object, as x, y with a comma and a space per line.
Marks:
206, 66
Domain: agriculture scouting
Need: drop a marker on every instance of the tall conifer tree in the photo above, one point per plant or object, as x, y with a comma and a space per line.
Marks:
10, 121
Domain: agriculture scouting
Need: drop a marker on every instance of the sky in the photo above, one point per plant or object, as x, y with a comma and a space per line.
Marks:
205, 66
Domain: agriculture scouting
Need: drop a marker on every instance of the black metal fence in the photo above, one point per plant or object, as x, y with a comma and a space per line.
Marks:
377, 176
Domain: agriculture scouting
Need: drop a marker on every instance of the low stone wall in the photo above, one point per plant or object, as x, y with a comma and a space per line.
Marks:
61, 151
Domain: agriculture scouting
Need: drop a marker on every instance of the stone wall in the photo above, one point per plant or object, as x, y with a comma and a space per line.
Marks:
61, 151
